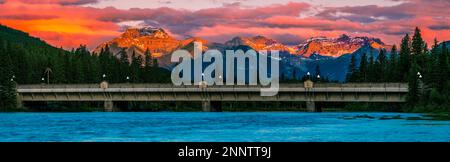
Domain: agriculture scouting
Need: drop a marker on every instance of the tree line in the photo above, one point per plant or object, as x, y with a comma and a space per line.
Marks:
426, 70
28, 60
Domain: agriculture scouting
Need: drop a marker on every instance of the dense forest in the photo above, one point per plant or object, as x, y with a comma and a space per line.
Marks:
28, 60
426, 70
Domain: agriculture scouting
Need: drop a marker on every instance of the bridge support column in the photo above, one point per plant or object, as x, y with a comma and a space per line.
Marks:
206, 106
311, 106
216, 106
19, 102
211, 106
109, 106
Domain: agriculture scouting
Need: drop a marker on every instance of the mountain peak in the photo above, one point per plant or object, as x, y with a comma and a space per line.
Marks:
258, 43
135, 32
335, 47
344, 37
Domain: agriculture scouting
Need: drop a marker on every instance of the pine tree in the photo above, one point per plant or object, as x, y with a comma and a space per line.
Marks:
371, 72
394, 73
124, 56
405, 60
8, 98
380, 67
444, 67
136, 66
352, 71
413, 84
155, 63
417, 47
362, 72
148, 58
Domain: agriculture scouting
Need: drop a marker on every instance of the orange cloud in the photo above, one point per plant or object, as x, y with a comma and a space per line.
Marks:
66, 26
65, 23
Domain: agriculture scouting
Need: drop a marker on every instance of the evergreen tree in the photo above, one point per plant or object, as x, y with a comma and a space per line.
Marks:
417, 48
155, 64
136, 66
351, 73
148, 58
413, 84
444, 68
371, 72
124, 56
394, 73
362, 72
8, 98
405, 60
380, 67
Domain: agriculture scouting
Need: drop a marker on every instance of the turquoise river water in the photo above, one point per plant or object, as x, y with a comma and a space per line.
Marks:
221, 127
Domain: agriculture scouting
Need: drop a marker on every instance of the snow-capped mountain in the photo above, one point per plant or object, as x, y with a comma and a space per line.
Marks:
335, 47
331, 54
258, 43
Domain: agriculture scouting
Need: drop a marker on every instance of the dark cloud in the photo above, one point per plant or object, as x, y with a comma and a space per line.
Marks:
439, 27
409, 9
77, 2
367, 14
183, 21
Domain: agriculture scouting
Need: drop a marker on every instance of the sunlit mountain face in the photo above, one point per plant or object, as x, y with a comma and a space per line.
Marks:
331, 54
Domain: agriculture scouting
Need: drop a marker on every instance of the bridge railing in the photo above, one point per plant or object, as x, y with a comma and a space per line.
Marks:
287, 85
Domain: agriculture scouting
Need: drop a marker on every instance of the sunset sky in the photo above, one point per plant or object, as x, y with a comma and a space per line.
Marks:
69, 23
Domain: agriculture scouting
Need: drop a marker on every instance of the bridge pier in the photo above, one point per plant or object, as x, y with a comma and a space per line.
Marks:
211, 106
109, 106
19, 102
312, 107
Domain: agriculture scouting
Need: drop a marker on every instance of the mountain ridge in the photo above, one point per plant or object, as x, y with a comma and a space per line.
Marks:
161, 43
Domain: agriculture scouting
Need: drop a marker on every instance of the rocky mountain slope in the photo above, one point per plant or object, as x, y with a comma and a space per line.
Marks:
335, 47
331, 54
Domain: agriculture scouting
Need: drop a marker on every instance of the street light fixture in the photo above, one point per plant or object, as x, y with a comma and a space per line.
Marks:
419, 75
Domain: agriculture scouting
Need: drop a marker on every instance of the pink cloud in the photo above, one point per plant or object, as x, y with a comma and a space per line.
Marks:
66, 23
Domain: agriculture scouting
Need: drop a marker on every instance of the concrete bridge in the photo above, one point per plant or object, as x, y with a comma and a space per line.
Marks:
211, 97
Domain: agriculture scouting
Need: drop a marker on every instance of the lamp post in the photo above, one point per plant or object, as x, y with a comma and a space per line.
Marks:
419, 80
308, 75
128, 79
43, 80
47, 72
104, 77
318, 77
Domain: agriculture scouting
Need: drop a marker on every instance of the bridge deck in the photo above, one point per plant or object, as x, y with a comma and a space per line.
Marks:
365, 92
